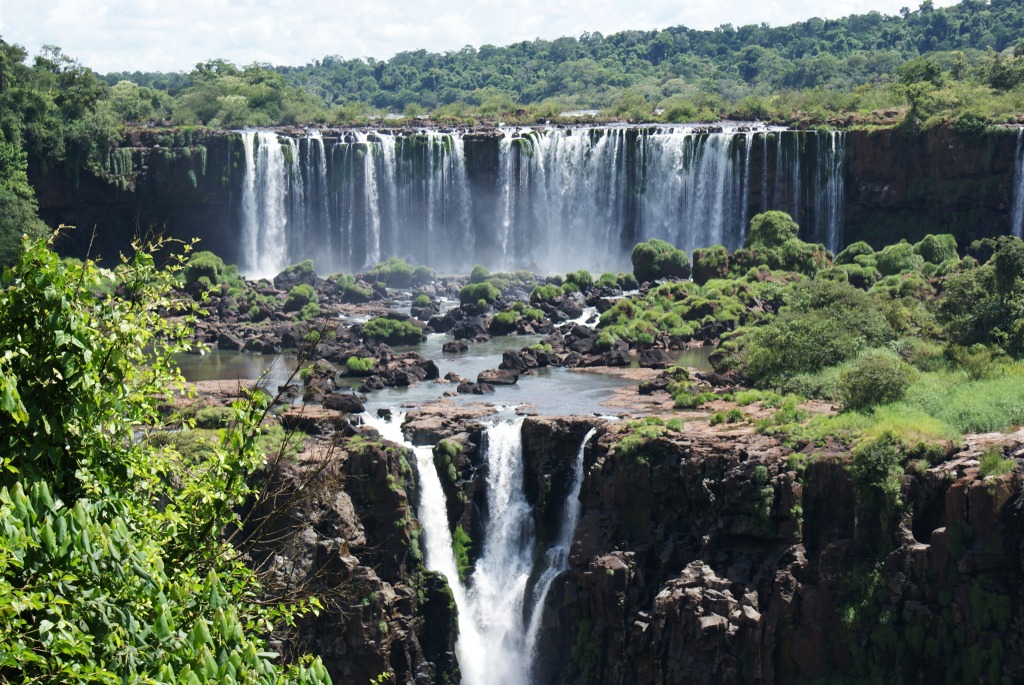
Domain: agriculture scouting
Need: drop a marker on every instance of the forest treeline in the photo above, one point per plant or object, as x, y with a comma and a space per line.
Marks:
816, 67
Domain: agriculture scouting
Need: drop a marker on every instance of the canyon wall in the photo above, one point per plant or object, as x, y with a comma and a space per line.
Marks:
527, 199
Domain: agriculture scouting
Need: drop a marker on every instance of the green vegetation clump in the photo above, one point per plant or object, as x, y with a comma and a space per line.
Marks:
392, 331
657, 259
875, 377
461, 544
392, 272
825, 323
303, 272
351, 291
479, 274
771, 230
360, 366
300, 297
421, 301
203, 264
475, 292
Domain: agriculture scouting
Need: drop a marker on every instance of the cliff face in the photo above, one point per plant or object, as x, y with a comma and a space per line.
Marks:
188, 183
702, 558
728, 560
182, 184
906, 185
338, 526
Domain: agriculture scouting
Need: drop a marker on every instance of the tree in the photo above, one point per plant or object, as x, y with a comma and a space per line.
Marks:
113, 567
17, 203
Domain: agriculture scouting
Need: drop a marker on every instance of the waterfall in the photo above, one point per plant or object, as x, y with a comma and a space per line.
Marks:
546, 199
500, 577
557, 558
500, 610
1017, 225
828, 189
265, 204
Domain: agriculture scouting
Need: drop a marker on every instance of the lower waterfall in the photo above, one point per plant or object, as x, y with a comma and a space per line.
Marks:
500, 606
1017, 220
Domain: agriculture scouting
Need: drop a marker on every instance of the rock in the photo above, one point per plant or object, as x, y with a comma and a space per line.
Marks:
228, 341
498, 377
475, 388
469, 329
455, 347
520, 361
344, 402
655, 359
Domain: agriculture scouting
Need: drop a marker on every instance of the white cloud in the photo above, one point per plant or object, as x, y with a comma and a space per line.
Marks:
116, 35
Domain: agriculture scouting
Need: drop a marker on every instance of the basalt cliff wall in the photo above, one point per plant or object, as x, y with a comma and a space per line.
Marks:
188, 183
701, 558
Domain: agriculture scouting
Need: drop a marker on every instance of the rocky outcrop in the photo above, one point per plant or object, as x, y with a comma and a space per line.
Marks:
723, 559
338, 526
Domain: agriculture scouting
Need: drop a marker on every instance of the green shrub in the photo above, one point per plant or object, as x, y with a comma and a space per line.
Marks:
479, 274
657, 259
770, 230
213, 417
303, 272
360, 366
825, 324
479, 292
545, 293
422, 275
581, 279
896, 259
877, 466
350, 290
392, 331
299, 296
461, 543
993, 464
936, 249
876, 376
309, 311
421, 301
709, 263
854, 250
203, 264
393, 272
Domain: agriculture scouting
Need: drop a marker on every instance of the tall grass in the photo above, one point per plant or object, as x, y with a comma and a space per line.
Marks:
972, 406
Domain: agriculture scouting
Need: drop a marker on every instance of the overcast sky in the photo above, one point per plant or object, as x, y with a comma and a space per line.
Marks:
173, 35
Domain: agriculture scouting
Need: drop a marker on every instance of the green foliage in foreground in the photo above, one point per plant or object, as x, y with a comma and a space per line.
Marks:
111, 549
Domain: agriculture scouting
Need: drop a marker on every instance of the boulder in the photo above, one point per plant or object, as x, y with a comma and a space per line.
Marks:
346, 403
498, 377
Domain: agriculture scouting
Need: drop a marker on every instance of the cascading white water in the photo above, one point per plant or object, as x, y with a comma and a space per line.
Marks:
1017, 220
557, 558
437, 538
500, 611
265, 204
828, 189
556, 199
500, 576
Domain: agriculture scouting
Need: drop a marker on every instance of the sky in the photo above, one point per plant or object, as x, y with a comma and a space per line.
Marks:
175, 35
